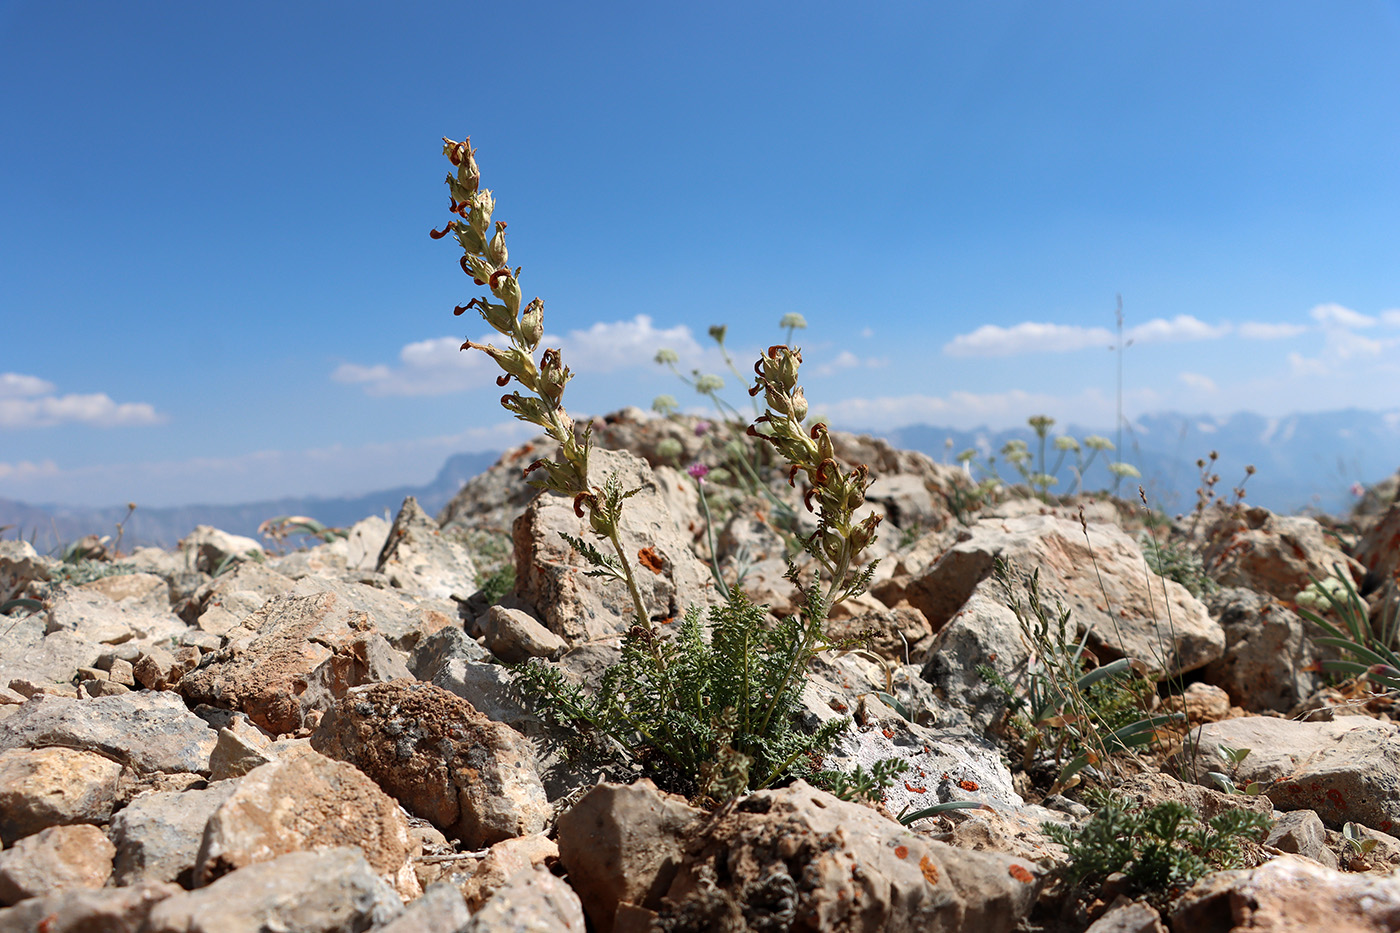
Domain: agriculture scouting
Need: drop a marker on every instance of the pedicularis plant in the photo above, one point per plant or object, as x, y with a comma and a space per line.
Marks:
712, 717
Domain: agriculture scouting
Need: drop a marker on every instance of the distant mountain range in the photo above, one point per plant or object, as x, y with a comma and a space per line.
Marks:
1302, 461
56, 525
1305, 461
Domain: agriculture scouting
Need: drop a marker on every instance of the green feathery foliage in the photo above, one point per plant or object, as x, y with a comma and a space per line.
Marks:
1161, 849
709, 719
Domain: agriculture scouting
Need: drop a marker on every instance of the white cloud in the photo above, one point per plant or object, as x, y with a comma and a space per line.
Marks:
608, 347
1300, 365
1198, 381
30, 402
848, 360
264, 474
1334, 315
1036, 337
1258, 330
27, 470
1181, 327
1391, 317
1027, 337
18, 385
439, 366
963, 410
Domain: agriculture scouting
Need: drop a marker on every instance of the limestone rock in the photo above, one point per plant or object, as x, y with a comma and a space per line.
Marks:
419, 560
403, 620
220, 605
623, 845
304, 804
1346, 770
106, 910
297, 654
1289, 893
144, 589
1269, 553
158, 834
549, 575
209, 550
440, 910
1302, 833
95, 617
1101, 580
984, 632
56, 859
1269, 657
798, 856
43, 787
20, 565
1378, 551
148, 731
503, 861
514, 636
29, 653
531, 901
440, 758
326, 891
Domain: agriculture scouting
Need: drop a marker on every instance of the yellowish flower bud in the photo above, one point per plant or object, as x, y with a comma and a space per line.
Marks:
496, 252
532, 324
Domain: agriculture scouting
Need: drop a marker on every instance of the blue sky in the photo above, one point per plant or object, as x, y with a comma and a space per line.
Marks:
216, 282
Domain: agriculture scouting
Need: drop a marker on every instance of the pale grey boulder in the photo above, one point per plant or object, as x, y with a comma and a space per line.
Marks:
158, 835
327, 891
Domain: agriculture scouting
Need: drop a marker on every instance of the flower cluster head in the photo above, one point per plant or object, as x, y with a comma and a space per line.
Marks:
837, 493
484, 259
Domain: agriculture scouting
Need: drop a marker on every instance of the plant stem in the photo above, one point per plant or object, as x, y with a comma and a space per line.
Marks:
710, 539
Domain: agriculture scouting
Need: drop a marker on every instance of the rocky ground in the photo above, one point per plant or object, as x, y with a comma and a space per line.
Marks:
218, 738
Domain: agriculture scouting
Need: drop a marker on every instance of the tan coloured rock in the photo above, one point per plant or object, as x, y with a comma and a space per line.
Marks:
43, 787
514, 636
801, 858
106, 910
1275, 554
1269, 660
158, 834
550, 578
161, 669
440, 758
623, 845
146, 589
292, 657
1290, 895
419, 560
147, 731
532, 901
1100, 577
1347, 769
221, 605
308, 803
325, 891
503, 861
21, 565
209, 550
56, 859
1378, 551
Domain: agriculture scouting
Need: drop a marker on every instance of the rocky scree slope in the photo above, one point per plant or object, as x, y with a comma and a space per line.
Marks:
219, 738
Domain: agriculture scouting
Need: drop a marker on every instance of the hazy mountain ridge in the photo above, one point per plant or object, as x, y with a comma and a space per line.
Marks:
56, 525
1303, 461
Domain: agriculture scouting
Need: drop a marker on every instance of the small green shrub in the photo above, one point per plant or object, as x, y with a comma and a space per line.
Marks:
494, 586
1081, 717
1371, 651
709, 718
82, 570
1177, 561
1160, 850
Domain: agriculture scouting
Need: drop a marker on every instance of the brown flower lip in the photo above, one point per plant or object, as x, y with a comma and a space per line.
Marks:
439, 234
